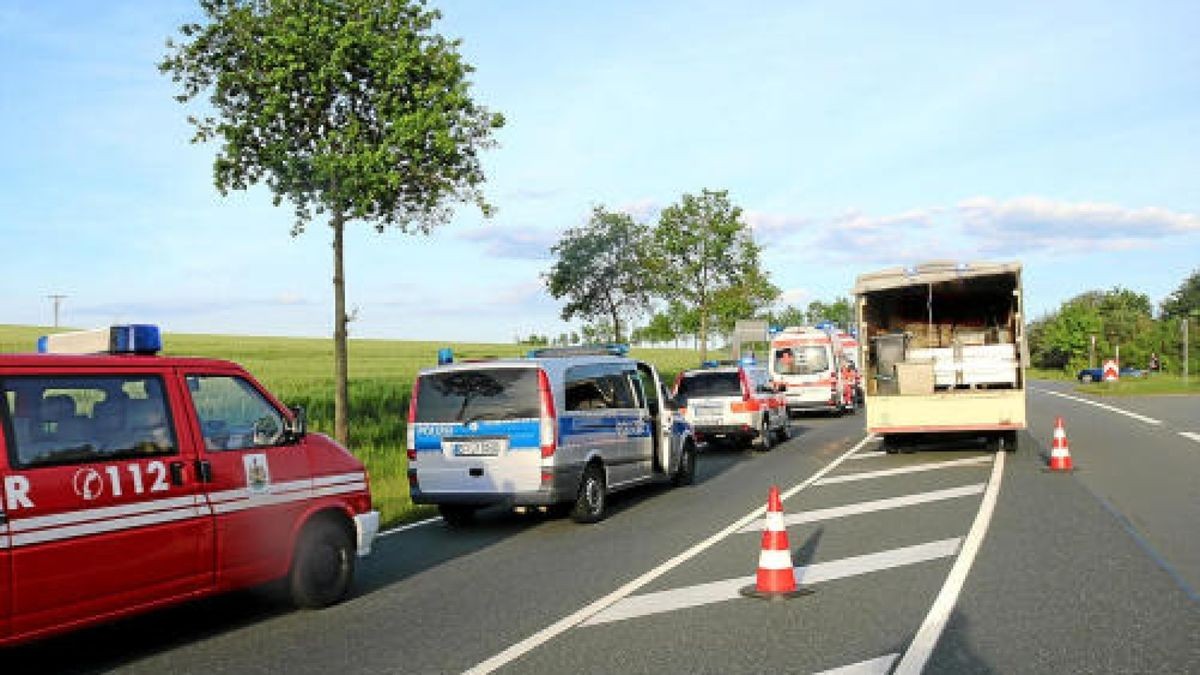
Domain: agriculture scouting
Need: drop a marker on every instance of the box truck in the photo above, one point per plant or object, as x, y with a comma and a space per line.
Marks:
943, 352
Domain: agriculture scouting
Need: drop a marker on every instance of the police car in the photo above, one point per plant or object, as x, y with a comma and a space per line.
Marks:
131, 481
734, 402
563, 427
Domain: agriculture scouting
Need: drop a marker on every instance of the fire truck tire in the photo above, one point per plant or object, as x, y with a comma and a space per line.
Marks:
686, 473
323, 566
592, 497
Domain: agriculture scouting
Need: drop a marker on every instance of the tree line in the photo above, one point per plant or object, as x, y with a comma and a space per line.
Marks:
1094, 326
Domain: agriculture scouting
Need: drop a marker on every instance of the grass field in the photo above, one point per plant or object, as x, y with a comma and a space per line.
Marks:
1156, 384
299, 371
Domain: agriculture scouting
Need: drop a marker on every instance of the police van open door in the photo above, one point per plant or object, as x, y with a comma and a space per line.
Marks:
660, 419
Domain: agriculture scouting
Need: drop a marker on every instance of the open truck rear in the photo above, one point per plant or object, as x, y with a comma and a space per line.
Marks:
943, 352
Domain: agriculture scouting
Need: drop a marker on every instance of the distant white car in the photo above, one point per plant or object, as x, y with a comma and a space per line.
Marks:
733, 403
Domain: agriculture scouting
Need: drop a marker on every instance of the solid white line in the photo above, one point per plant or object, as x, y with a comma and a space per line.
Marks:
916, 468
728, 589
872, 506
570, 621
879, 666
396, 530
1190, 434
1140, 418
921, 648
870, 455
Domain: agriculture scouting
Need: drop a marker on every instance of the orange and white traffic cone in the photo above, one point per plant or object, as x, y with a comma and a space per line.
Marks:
776, 577
1060, 452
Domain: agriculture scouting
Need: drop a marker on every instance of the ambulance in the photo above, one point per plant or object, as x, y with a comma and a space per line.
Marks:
130, 481
808, 362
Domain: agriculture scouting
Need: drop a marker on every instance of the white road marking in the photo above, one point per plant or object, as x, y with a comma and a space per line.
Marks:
921, 647
879, 666
872, 506
419, 523
727, 589
1140, 418
579, 616
916, 468
1190, 434
869, 455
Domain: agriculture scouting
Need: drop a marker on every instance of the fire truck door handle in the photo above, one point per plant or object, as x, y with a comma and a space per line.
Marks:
204, 470
177, 473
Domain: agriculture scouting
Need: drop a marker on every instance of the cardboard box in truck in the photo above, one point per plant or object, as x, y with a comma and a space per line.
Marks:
944, 352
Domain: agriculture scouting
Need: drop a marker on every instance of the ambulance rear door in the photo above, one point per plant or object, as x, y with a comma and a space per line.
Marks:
103, 513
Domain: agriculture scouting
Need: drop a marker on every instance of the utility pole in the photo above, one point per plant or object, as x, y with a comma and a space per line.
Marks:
57, 298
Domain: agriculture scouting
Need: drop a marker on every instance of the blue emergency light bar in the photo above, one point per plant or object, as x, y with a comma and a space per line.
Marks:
610, 349
138, 338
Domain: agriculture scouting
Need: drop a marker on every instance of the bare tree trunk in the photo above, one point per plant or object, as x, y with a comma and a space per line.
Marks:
341, 389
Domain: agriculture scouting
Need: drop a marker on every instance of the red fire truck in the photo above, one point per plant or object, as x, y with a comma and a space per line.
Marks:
130, 481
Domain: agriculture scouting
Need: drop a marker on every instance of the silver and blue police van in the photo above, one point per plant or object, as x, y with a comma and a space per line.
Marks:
561, 428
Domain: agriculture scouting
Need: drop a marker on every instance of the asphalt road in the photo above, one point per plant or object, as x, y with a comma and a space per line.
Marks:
1094, 571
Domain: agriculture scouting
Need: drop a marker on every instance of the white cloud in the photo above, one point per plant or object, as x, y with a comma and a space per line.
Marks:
520, 243
1035, 223
643, 210
979, 227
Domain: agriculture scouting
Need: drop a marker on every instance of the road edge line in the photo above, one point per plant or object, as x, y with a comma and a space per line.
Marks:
513, 652
922, 645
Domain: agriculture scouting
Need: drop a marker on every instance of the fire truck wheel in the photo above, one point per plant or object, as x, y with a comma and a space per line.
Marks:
323, 565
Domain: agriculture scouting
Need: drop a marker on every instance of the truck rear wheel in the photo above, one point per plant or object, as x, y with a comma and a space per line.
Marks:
323, 565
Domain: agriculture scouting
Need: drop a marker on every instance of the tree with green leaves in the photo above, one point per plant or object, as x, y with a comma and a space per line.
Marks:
352, 111
600, 270
1185, 301
707, 263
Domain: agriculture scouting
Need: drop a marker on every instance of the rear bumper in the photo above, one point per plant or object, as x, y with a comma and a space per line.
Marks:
560, 485
725, 431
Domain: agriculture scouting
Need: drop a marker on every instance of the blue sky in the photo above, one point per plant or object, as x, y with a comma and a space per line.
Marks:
855, 135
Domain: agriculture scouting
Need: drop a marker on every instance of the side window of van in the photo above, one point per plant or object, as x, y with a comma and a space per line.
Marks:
590, 389
233, 414
72, 420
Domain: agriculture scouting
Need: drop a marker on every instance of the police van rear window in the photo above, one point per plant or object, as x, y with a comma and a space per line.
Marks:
702, 385
478, 394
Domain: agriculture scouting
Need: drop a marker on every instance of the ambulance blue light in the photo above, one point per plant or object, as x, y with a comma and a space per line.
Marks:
749, 360
445, 356
710, 364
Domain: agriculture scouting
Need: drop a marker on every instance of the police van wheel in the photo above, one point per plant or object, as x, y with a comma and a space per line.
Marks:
686, 474
592, 497
323, 565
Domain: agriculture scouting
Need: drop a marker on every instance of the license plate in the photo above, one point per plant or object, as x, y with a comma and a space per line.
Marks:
478, 448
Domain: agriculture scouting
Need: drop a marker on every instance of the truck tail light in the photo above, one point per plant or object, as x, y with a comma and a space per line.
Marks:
412, 418
549, 416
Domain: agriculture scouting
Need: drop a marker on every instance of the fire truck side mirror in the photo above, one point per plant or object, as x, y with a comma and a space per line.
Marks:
295, 427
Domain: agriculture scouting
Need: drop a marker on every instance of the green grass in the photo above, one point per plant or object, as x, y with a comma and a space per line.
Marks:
299, 371
1156, 384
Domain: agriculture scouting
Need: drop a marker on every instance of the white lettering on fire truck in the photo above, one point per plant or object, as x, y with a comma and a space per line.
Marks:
16, 493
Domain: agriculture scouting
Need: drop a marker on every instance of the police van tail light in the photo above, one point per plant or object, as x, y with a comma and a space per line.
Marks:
548, 415
412, 419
